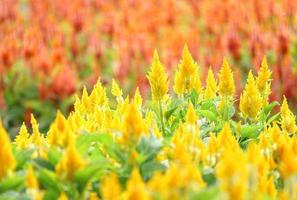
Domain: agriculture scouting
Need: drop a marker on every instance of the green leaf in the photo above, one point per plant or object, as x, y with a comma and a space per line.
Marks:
11, 183
13, 195
22, 157
42, 163
53, 156
273, 118
206, 194
268, 108
211, 116
249, 131
48, 180
83, 176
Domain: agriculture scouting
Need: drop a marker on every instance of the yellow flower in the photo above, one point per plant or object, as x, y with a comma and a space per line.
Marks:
137, 98
98, 95
60, 132
211, 85
187, 77
110, 188
136, 188
94, 196
36, 137
288, 164
195, 83
22, 140
287, 118
187, 65
263, 76
70, 162
133, 125
7, 159
63, 196
179, 83
158, 79
191, 116
232, 174
31, 180
226, 81
115, 89
226, 138
250, 100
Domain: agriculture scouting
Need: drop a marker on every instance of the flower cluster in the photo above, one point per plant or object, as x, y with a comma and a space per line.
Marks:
188, 143
48, 50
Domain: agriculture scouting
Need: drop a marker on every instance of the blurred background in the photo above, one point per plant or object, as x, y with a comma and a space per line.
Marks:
50, 49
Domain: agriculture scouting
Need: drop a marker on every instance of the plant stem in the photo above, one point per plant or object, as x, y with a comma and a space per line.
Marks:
161, 116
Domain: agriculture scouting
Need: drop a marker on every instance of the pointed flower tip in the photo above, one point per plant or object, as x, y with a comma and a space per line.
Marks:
156, 55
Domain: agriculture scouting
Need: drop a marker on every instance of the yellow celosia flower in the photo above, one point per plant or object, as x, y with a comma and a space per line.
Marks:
288, 164
195, 82
191, 116
115, 89
63, 196
250, 101
176, 183
226, 138
133, 125
226, 81
36, 137
232, 174
94, 196
179, 83
136, 188
187, 76
70, 162
60, 133
137, 98
263, 77
31, 180
187, 65
22, 140
110, 188
211, 85
287, 118
158, 79
98, 95
7, 160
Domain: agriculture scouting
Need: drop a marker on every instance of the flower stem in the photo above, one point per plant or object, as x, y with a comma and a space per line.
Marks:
162, 118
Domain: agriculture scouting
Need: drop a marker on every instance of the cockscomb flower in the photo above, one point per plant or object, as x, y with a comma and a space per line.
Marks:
33, 185
263, 77
158, 79
110, 187
191, 116
232, 174
70, 162
22, 140
133, 124
250, 100
31, 180
226, 139
137, 98
226, 80
211, 85
36, 136
187, 65
288, 122
98, 95
7, 159
60, 132
115, 89
136, 187
179, 84
187, 77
